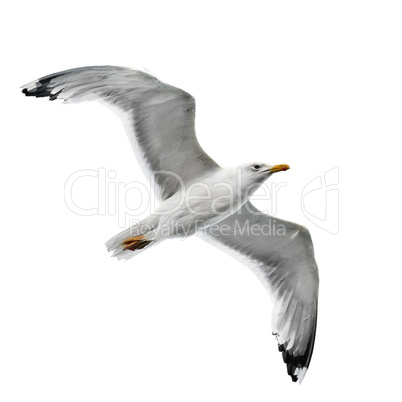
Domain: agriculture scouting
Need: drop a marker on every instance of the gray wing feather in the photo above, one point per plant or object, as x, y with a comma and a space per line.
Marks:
159, 118
281, 254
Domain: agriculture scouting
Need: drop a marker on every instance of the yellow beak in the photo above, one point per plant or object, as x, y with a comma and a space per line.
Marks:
279, 168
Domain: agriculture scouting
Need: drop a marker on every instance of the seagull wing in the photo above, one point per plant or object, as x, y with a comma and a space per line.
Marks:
159, 118
281, 254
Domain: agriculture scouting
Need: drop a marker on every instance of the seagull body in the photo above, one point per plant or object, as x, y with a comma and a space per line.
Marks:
204, 203
196, 195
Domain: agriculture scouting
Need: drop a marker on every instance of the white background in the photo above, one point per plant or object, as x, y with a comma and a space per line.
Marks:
314, 84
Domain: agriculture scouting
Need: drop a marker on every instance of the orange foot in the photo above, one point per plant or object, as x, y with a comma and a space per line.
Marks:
135, 243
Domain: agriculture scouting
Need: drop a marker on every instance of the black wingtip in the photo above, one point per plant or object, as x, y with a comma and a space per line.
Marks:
300, 362
43, 88
27, 92
41, 92
293, 363
297, 363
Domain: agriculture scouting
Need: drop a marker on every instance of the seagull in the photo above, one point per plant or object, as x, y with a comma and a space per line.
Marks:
197, 196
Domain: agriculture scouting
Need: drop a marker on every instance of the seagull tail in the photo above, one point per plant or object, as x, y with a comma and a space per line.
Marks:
129, 243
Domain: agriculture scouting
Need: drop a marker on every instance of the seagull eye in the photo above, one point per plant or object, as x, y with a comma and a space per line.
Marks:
257, 167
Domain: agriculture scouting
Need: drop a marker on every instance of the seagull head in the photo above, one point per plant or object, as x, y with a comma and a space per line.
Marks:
254, 174
261, 171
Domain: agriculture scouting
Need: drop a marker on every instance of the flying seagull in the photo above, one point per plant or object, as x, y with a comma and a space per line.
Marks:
198, 196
